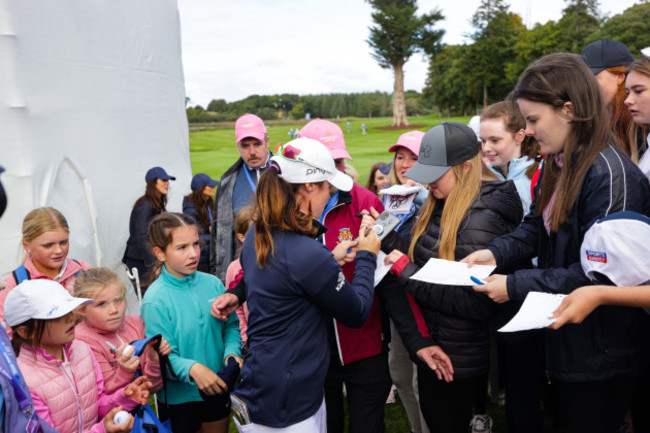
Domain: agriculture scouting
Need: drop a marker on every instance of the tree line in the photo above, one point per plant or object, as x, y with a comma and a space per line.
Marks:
332, 105
464, 77
461, 78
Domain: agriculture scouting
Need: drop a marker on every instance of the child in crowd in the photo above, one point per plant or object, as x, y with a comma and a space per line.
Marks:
377, 179
105, 321
177, 305
511, 154
62, 374
243, 221
45, 239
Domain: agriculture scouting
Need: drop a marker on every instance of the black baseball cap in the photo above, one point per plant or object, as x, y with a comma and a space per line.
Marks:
443, 146
606, 53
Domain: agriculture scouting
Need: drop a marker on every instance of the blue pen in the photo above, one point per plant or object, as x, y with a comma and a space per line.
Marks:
477, 281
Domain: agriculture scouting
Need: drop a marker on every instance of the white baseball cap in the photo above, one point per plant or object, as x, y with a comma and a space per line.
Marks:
617, 247
305, 160
39, 299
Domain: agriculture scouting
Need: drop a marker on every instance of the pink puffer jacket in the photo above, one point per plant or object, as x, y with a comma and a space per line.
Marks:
114, 377
66, 279
71, 403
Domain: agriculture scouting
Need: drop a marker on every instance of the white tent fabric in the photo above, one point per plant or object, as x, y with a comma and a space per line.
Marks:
91, 96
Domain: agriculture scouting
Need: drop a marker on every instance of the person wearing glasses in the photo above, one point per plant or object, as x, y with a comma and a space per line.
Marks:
294, 287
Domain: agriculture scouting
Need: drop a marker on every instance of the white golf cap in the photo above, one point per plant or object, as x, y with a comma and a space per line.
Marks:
305, 160
39, 299
617, 247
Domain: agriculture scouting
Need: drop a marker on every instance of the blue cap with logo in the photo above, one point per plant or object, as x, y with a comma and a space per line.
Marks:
157, 173
201, 180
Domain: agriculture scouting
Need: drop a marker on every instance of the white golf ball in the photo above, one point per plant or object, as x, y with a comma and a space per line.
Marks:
128, 349
120, 417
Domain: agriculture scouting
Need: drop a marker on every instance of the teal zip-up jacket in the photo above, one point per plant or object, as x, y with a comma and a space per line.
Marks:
179, 309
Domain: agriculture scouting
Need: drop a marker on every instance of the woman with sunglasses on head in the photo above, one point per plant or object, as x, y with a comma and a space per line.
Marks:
585, 177
464, 209
294, 287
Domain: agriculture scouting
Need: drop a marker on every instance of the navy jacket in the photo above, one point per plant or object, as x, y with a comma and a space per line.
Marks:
290, 302
190, 209
138, 246
605, 345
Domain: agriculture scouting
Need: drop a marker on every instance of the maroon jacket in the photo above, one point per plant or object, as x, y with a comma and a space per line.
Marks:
367, 341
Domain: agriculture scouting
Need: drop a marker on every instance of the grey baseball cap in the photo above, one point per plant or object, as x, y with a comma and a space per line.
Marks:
443, 146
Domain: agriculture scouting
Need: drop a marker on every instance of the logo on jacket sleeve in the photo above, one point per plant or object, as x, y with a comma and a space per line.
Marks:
340, 282
596, 256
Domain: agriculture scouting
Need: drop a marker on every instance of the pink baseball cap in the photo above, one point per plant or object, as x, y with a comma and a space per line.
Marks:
249, 125
328, 133
410, 140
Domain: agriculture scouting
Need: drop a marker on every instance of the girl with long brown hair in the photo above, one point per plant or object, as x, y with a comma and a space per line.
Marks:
584, 178
464, 209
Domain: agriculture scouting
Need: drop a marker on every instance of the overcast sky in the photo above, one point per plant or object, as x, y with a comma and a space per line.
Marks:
236, 48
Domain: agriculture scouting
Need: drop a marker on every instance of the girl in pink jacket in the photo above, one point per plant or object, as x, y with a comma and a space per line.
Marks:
61, 373
45, 239
105, 321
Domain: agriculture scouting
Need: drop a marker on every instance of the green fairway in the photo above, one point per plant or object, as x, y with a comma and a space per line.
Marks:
212, 151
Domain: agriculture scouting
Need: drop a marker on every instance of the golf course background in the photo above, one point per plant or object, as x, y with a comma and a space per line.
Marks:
213, 149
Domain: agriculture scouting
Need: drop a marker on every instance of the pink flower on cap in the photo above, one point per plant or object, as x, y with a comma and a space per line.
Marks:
410, 140
249, 125
328, 133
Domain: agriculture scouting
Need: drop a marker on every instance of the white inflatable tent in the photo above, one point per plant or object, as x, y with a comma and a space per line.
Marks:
91, 97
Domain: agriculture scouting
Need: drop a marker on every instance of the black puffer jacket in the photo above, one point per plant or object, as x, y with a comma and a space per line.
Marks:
457, 316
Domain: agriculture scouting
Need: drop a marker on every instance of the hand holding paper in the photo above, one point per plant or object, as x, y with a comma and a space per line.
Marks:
534, 312
447, 272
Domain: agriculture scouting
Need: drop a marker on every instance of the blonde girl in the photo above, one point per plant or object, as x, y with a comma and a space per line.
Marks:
46, 241
62, 373
105, 321
464, 209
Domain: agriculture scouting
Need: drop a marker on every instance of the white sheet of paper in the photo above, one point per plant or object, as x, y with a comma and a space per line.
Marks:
400, 190
399, 204
439, 271
382, 269
534, 312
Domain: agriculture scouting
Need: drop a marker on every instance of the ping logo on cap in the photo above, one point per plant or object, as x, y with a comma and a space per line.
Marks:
311, 171
596, 256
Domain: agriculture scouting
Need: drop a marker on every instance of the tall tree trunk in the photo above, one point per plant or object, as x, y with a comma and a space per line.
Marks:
399, 103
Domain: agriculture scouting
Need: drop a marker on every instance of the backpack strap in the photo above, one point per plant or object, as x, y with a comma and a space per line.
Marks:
76, 274
21, 274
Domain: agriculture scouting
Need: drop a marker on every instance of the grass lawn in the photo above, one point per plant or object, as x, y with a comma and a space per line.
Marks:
213, 151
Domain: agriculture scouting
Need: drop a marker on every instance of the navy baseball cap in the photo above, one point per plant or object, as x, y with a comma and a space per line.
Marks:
385, 169
443, 146
606, 53
157, 173
201, 180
